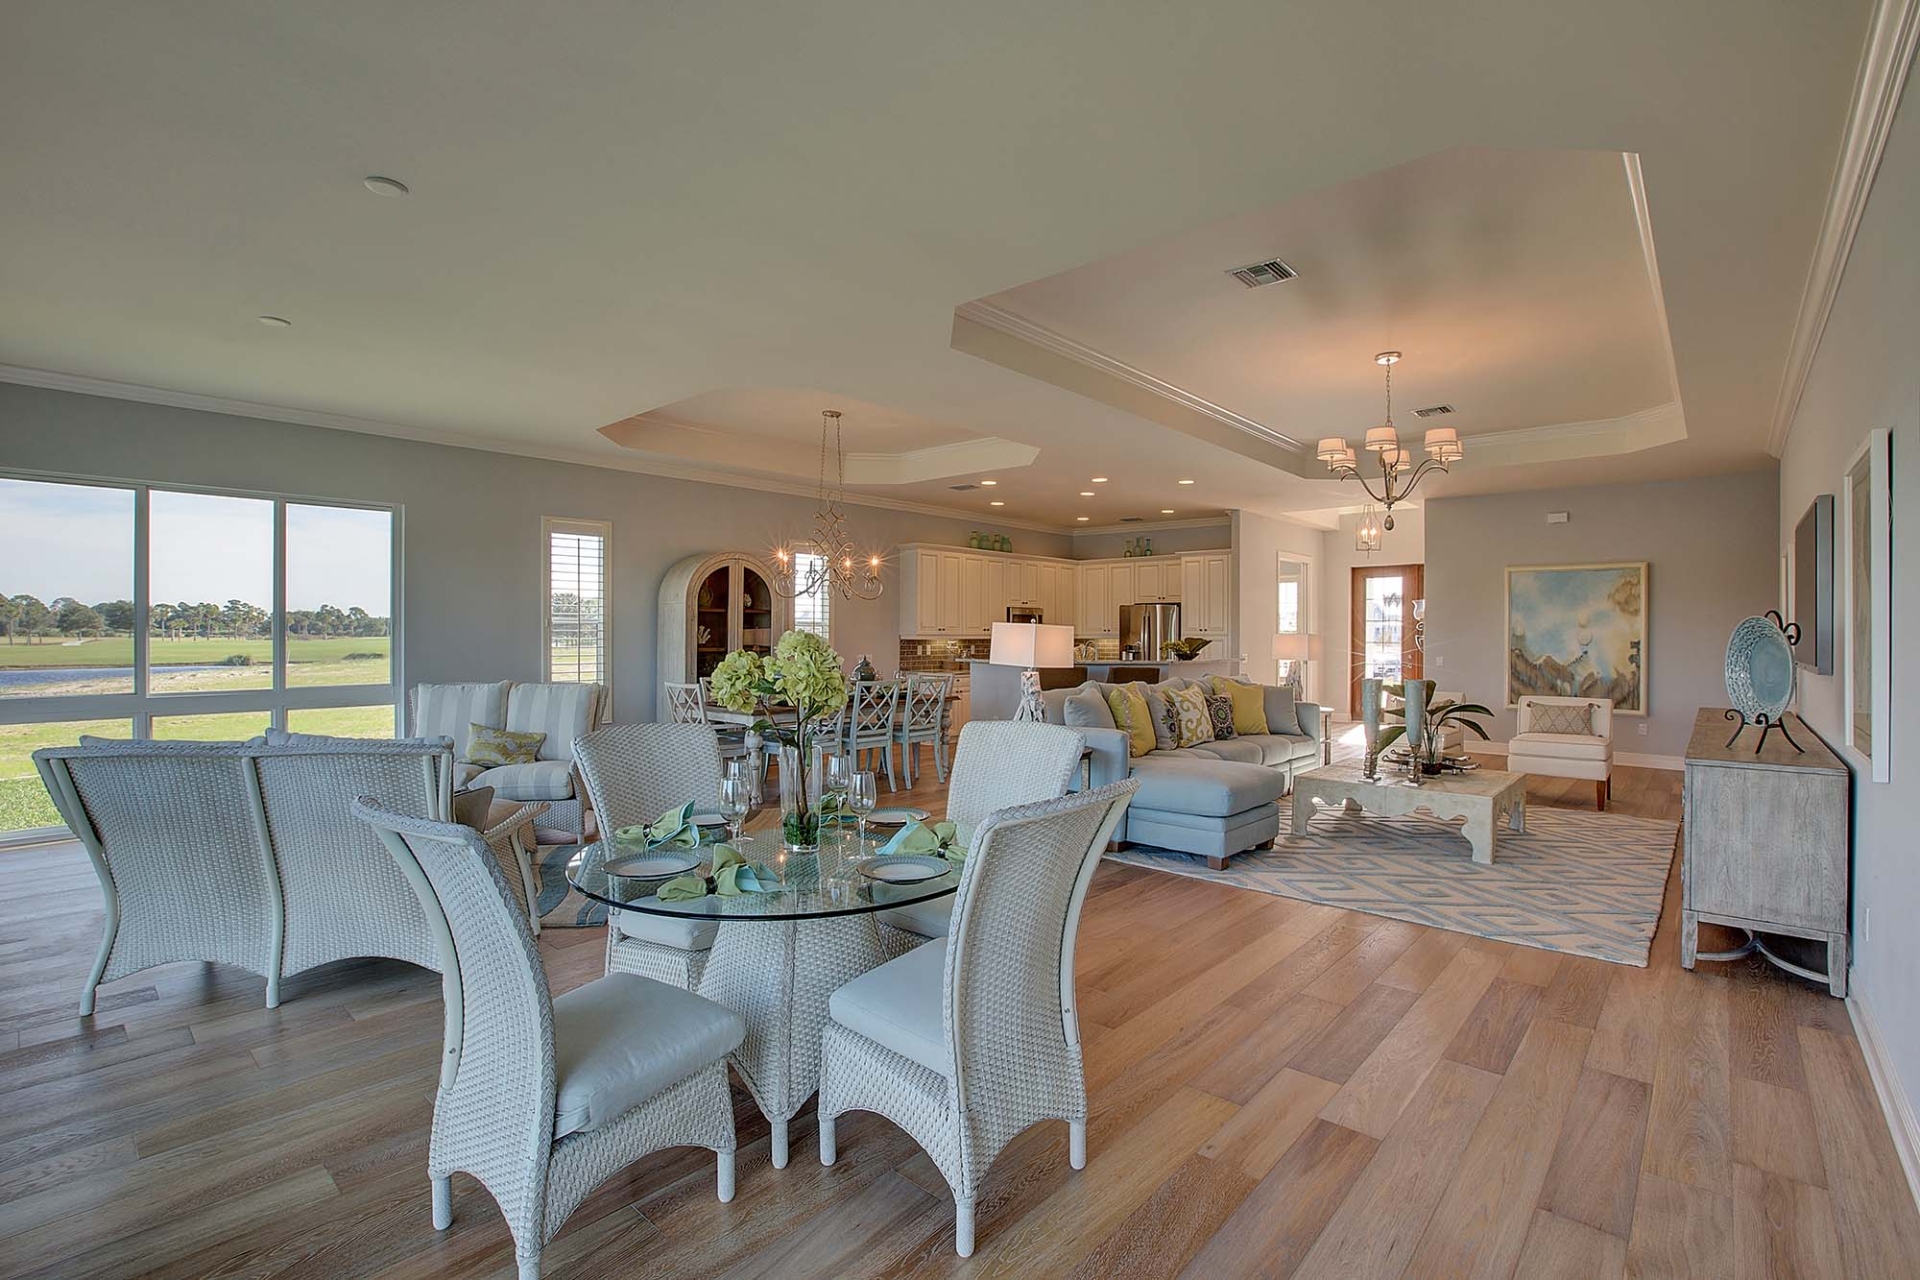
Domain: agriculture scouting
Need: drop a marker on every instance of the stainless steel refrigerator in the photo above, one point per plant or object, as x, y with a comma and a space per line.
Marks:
1145, 627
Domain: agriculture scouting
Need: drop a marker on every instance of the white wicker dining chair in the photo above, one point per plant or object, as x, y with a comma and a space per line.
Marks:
968, 1042
633, 774
923, 721
542, 1099
866, 723
999, 764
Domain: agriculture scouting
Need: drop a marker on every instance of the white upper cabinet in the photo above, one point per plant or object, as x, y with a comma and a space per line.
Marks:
1204, 594
1156, 580
993, 594
1097, 614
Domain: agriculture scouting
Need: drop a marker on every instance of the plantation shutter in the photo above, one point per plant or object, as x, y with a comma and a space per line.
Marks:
578, 603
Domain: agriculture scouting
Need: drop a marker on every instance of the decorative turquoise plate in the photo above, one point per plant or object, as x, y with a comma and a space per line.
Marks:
1759, 670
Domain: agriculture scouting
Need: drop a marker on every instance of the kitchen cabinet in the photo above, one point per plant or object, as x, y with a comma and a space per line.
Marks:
1204, 594
1156, 581
1023, 583
932, 593
1058, 585
993, 595
973, 605
1120, 585
1097, 614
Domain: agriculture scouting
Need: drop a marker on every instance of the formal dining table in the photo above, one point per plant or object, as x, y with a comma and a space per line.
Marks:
778, 956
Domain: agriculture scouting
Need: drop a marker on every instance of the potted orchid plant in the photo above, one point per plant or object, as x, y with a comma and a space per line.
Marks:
803, 678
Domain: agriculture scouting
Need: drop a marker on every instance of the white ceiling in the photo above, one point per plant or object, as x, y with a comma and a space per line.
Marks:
619, 209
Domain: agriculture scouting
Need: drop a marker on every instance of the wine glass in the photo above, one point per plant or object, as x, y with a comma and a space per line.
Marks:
863, 793
839, 771
736, 799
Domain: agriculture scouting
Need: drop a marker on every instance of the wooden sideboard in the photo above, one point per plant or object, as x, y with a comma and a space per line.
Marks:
1766, 843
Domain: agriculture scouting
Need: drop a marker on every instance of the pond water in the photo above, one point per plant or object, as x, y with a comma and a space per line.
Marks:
16, 679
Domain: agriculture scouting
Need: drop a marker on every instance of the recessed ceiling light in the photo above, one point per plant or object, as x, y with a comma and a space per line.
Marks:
996, 503
1166, 511
274, 322
1186, 482
380, 186
1099, 479
989, 482
1081, 517
1086, 493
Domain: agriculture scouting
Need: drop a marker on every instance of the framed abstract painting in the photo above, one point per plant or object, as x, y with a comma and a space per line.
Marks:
1578, 630
1866, 584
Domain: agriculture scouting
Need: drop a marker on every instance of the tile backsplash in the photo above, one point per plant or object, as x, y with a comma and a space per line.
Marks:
941, 655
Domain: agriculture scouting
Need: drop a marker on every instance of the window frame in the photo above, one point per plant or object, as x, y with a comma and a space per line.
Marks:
141, 706
824, 593
602, 529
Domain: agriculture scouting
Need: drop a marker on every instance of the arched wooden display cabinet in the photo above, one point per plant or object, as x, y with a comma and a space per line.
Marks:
711, 605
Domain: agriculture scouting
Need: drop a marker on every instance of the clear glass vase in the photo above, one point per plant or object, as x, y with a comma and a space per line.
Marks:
800, 799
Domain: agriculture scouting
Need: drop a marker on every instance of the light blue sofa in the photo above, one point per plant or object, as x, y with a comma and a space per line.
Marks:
1215, 799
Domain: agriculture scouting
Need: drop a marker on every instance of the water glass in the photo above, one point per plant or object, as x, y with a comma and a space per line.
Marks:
736, 800
863, 794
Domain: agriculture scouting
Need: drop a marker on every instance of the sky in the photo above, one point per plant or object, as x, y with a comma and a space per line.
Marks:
77, 540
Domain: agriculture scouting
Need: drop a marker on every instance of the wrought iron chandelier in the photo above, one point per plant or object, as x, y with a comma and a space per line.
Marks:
1398, 472
827, 561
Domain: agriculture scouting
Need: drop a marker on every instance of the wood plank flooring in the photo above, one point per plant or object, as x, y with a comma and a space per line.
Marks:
1278, 1088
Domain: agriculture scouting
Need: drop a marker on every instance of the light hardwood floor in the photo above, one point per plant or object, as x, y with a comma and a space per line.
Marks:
1278, 1088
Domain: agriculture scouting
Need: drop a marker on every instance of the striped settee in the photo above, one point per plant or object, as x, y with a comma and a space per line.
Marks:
561, 711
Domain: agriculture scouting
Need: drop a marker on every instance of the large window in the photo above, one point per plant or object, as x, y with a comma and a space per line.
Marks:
152, 612
811, 611
577, 639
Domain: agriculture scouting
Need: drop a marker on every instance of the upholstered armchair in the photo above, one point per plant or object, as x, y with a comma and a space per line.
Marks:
1565, 738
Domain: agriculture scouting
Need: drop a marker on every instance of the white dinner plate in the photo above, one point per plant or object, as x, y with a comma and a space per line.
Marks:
896, 817
706, 820
656, 865
902, 868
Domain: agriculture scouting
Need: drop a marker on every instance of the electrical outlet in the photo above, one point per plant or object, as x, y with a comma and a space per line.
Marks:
1439, 660
1643, 728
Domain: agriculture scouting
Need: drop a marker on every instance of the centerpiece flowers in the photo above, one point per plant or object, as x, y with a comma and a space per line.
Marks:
802, 673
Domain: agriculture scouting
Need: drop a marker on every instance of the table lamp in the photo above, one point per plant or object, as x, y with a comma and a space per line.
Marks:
1293, 648
1030, 645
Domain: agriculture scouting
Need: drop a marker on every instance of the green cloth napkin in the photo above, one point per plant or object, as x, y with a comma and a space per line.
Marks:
942, 839
682, 889
673, 828
834, 805
732, 876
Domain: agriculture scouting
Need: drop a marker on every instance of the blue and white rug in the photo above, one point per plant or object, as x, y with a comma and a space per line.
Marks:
1589, 884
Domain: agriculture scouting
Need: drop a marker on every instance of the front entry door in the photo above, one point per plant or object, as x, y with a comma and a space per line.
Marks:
1382, 637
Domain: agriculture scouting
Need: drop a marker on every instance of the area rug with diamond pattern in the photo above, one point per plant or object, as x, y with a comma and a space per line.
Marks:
1588, 884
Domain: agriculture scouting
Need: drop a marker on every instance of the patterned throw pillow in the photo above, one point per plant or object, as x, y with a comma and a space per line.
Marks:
1547, 717
1166, 721
1129, 707
1249, 705
490, 746
1196, 722
1220, 715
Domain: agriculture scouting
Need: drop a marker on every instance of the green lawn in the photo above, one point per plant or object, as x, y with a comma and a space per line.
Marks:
310, 663
24, 802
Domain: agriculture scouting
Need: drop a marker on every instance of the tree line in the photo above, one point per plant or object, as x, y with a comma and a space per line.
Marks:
27, 617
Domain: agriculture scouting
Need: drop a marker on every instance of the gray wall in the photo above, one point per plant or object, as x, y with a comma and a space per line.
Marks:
1101, 546
1865, 376
1709, 544
472, 524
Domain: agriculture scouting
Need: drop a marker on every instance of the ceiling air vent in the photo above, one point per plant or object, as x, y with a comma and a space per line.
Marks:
1131, 519
1272, 271
962, 488
1433, 411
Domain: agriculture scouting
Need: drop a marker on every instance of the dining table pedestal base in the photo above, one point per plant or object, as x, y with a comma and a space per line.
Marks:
778, 976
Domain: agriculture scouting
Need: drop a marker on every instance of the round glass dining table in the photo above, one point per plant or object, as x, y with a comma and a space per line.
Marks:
778, 955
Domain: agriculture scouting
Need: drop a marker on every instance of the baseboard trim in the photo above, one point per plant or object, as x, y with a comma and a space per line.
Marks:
1886, 1084
1638, 760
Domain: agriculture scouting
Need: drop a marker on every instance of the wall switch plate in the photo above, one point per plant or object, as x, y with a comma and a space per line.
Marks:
1556, 517
1439, 660
1643, 728
1866, 924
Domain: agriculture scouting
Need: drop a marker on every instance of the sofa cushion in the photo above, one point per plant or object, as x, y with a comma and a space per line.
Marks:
1196, 726
540, 780
621, 1039
1128, 703
561, 711
1220, 715
1244, 750
1085, 709
1282, 718
927, 919
899, 1005
1189, 782
689, 933
464, 772
1562, 746
1166, 720
1249, 704
1279, 748
448, 710
1569, 719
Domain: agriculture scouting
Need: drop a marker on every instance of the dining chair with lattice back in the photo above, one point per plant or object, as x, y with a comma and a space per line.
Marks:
543, 1098
969, 1041
923, 721
687, 704
633, 774
866, 724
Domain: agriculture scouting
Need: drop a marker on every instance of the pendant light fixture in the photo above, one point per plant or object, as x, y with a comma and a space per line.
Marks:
827, 561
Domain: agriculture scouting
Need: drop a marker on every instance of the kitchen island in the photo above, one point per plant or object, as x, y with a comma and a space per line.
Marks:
996, 689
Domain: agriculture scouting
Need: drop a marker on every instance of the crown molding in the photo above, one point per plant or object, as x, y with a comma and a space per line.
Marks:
1152, 526
1000, 320
1891, 37
78, 384
1643, 224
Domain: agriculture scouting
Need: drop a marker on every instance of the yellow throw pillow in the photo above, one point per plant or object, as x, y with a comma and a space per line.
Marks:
1196, 725
1249, 705
1129, 706
489, 746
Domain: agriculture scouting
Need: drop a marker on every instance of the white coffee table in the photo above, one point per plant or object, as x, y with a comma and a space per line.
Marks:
1484, 797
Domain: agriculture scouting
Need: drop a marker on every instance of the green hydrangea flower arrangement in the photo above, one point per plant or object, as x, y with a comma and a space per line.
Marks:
803, 672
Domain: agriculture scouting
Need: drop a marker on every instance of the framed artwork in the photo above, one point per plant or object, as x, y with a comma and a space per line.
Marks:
1578, 630
1866, 497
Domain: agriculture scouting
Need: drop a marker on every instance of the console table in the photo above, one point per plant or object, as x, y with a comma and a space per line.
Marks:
1766, 843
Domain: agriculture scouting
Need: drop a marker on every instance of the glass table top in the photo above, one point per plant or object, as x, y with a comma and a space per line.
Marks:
824, 884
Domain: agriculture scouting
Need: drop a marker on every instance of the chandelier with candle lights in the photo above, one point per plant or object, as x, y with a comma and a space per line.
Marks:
827, 561
1399, 472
